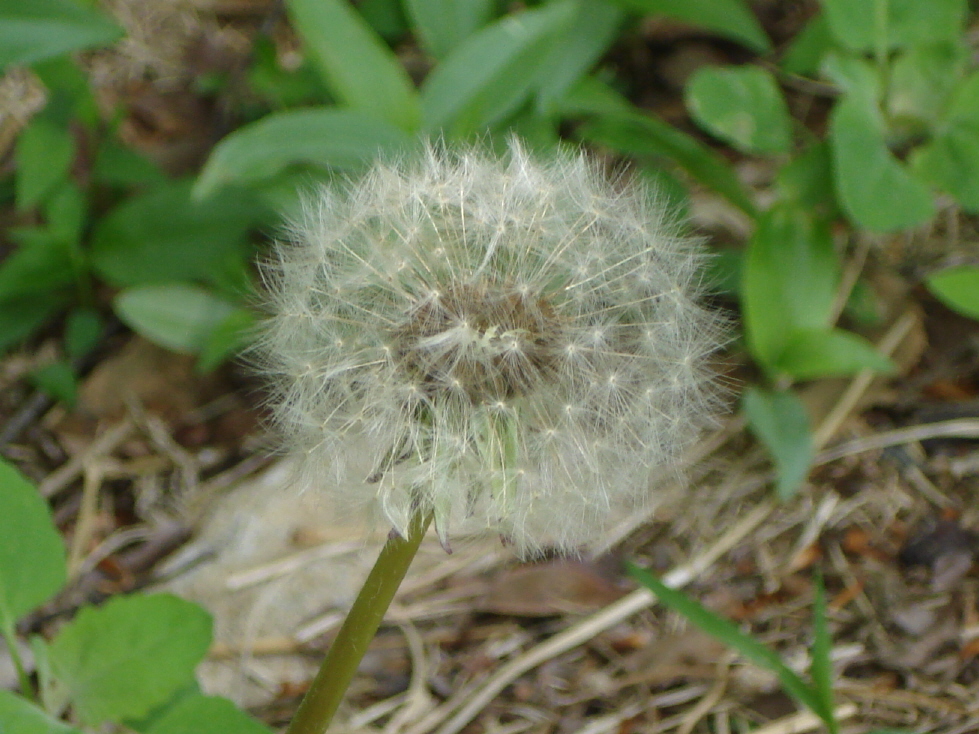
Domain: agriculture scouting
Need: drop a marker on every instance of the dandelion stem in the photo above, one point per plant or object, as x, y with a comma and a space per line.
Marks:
338, 668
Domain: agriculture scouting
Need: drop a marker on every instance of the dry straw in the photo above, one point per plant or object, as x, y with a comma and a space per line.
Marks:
519, 340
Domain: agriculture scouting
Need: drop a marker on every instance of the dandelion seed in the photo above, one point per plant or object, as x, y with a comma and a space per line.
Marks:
520, 341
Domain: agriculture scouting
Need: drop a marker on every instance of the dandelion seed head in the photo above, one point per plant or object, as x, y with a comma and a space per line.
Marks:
519, 340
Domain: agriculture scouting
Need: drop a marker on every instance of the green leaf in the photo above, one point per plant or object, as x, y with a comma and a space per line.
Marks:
647, 137
729, 18
357, 65
490, 74
117, 165
21, 317
807, 181
742, 106
226, 339
39, 29
728, 633
780, 421
444, 24
40, 264
813, 353
875, 189
324, 137
133, 653
177, 316
821, 669
196, 713
921, 82
791, 274
951, 159
957, 288
592, 31
58, 381
807, 49
32, 555
44, 155
83, 329
163, 235
882, 25
18, 716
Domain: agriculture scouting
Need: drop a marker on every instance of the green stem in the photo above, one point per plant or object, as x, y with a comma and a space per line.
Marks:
338, 668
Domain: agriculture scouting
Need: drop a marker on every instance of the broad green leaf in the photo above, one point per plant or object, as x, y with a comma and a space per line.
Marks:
40, 264
386, 17
18, 716
951, 158
875, 189
325, 137
32, 554
791, 274
729, 18
642, 136
358, 66
742, 106
124, 658
807, 181
177, 316
198, 714
38, 29
813, 353
44, 155
728, 633
806, 52
491, 73
58, 381
591, 96
592, 31
882, 25
444, 24
921, 82
163, 235
958, 288
117, 165
780, 421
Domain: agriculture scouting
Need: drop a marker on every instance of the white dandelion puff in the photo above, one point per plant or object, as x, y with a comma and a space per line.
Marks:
519, 340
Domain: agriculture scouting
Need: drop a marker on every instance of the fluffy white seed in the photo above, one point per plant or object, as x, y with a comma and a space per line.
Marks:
519, 340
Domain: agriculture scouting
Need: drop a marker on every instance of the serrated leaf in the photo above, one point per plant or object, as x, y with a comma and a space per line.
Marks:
195, 714
177, 316
889, 24
728, 633
813, 353
875, 189
780, 421
39, 29
356, 64
791, 274
647, 137
729, 18
958, 288
18, 716
742, 106
122, 659
163, 235
32, 554
325, 137
44, 155
444, 24
491, 73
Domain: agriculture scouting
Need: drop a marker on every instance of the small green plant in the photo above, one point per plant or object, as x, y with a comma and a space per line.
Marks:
816, 695
128, 662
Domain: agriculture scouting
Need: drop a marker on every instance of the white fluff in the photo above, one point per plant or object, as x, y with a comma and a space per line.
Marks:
519, 340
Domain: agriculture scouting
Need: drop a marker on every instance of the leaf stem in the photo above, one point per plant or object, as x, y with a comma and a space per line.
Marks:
23, 680
338, 668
